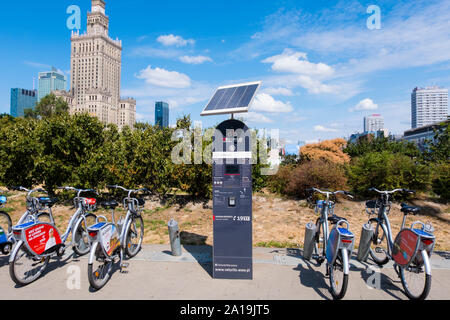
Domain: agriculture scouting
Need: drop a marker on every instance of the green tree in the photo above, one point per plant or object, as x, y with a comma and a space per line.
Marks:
49, 106
19, 149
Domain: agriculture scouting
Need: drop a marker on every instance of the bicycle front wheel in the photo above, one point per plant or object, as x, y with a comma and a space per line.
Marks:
82, 244
135, 236
26, 267
5, 223
338, 277
319, 246
416, 281
99, 271
379, 247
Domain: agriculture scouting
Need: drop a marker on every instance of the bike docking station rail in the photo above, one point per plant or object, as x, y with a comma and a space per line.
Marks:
232, 184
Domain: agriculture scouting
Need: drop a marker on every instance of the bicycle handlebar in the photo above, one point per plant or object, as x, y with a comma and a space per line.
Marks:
79, 191
392, 191
28, 190
127, 190
327, 193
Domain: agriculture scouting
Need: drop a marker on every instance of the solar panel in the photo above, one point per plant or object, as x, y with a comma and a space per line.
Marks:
232, 99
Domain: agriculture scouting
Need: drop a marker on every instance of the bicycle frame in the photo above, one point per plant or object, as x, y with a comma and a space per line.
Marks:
383, 222
77, 218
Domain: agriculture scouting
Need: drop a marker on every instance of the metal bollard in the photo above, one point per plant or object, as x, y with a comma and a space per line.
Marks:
308, 246
175, 240
365, 242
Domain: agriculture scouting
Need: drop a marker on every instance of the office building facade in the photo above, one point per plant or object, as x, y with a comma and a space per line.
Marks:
162, 114
22, 99
428, 106
373, 123
50, 81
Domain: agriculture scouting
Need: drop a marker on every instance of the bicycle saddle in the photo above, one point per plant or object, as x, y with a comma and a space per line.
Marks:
335, 219
409, 209
110, 204
48, 201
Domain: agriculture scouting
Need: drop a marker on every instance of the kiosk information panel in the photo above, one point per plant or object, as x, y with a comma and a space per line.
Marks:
232, 201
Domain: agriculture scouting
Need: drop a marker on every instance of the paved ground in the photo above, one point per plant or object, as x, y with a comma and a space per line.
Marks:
279, 274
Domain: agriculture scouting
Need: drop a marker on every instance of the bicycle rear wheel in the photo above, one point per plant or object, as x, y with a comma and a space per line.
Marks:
25, 267
82, 244
415, 281
99, 271
379, 247
135, 236
338, 279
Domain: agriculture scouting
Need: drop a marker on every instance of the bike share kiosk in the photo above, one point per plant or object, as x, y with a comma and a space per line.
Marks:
232, 184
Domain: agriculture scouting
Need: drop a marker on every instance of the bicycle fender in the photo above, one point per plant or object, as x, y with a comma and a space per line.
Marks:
124, 240
345, 261
14, 251
92, 253
426, 262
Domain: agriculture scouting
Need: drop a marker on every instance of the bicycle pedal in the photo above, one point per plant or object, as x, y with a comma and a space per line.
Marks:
124, 265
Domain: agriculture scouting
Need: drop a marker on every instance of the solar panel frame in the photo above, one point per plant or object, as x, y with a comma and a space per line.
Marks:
222, 104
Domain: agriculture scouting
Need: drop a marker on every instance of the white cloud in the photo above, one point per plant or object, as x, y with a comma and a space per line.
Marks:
164, 78
366, 104
195, 59
256, 117
172, 40
324, 129
280, 91
266, 103
291, 61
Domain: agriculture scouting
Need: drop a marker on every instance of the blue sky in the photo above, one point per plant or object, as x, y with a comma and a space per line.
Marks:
322, 69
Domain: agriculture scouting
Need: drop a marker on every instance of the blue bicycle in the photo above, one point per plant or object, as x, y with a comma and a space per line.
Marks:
6, 239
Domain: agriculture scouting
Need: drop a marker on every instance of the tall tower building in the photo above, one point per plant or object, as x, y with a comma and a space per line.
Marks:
50, 81
96, 62
428, 106
162, 114
373, 123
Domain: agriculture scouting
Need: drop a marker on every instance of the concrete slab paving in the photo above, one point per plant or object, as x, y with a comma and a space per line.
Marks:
279, 274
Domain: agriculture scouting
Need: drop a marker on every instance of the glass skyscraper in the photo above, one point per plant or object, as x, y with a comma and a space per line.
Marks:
162, 114
50, 81
22, 99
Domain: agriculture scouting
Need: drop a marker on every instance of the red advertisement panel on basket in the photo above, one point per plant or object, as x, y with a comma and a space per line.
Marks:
405, 247
42, 238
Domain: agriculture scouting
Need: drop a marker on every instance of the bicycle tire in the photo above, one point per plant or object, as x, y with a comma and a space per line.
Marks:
7, 220
378, 241
14, 266
99, 276
320, 256
424, 284
80, 234
338, 284
131, 250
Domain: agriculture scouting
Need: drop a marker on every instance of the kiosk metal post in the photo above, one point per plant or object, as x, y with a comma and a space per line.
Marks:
232, 184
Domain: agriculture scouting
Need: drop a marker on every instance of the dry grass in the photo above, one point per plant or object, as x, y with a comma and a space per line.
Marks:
277, 222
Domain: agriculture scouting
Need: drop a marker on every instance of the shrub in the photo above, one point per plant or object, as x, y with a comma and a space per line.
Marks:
294, 180
386, 171
441, 182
